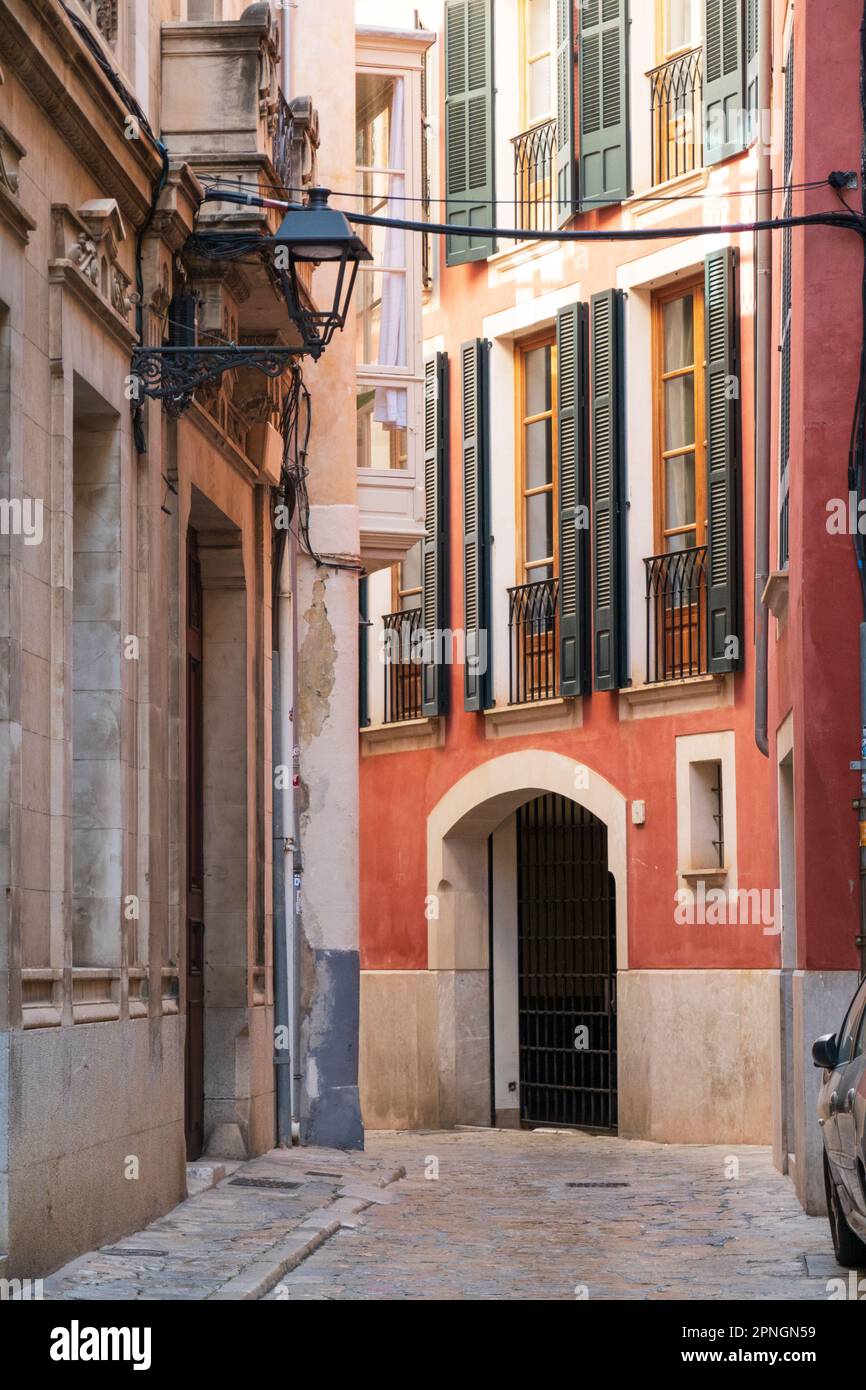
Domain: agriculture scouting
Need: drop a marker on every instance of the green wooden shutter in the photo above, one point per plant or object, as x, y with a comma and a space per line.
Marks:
363, 672
434, 606
469, 182
608, 517
604, 136
753, 70
724, 79
476, 527
565, 166
572, 369
723, 440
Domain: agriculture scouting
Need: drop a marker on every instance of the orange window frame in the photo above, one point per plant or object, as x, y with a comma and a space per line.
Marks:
526, 565
697, 369
399, 592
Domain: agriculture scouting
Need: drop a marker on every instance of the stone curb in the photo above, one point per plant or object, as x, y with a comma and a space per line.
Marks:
260, 1276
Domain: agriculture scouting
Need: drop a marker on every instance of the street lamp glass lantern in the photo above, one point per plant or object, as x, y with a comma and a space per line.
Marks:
311, 235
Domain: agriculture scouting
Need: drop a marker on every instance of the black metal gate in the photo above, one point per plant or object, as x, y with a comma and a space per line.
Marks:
566, 923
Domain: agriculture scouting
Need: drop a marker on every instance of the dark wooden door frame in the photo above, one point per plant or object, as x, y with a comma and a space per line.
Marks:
194, 1052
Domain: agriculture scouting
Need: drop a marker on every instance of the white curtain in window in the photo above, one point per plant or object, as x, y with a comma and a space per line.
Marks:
390, 407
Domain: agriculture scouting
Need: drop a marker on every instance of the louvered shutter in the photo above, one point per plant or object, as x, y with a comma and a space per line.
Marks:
434, 607
363, 666
565, 166
604, 139
787, 310
572, 368
476, 538
753, 67
469, 182
607, 490
724, 79
723, 439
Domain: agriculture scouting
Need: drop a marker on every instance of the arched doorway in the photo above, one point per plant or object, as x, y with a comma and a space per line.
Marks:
470, 887
566, 967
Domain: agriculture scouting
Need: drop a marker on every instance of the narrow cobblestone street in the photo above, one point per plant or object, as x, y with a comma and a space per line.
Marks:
474, 1214
522, 1216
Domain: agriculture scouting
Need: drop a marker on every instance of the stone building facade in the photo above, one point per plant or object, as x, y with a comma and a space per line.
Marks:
136, 615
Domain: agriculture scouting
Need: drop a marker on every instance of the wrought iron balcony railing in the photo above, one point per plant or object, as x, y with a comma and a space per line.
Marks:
676, 624
533, 630
535, 178
402, 655
677, 116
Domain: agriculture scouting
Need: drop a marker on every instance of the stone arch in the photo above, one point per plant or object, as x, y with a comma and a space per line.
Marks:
460, 823
458, 829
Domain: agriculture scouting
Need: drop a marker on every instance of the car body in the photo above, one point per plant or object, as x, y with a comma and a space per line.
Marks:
842, 1117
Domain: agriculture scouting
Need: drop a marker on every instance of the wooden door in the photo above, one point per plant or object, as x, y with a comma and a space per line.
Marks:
194, 1079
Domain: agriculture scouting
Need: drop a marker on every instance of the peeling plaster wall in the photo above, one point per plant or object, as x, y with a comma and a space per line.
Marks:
327, 599
328, 804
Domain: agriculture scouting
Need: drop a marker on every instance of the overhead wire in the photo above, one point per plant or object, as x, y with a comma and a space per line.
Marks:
808, 186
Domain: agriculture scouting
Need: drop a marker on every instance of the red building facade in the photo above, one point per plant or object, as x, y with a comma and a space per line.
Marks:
589, 896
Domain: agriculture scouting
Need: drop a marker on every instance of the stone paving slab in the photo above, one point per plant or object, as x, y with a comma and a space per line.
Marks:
232, 1239
521, 1215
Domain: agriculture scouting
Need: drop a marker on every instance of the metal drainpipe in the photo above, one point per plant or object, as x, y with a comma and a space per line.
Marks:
763, 376
285, 23
282, 940
288, 620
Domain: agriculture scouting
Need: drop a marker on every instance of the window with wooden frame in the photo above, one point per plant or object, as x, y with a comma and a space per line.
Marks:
676, 85
534, 147
680, 494
538, 548
533, 616
403, 670
677, 574
536, 62
406, 581
387, 152
678, 27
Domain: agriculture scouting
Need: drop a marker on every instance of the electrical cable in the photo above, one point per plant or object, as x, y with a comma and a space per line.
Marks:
212, 181
852, 222
297, 403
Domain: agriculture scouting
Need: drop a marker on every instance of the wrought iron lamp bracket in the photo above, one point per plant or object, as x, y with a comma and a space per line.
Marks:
173, 374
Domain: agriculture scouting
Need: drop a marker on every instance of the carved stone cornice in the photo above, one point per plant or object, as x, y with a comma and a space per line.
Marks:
84, 261
41, 48
11, 210
178, 204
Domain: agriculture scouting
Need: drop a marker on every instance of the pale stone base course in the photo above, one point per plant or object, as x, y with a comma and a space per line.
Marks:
229, 1242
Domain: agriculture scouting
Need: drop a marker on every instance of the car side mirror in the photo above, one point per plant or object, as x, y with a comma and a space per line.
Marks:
825, 1052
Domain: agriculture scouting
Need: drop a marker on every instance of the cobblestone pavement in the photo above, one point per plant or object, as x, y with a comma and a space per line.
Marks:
523, 1216
233, 1239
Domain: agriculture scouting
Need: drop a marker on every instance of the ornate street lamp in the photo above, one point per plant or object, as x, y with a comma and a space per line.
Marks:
311, 233
316, 234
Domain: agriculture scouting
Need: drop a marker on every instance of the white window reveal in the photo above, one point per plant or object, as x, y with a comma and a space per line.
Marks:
706, 811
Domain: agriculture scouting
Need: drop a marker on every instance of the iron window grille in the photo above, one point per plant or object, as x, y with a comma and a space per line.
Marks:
535, 178
677, 116
403, 657
676, 615
533, 646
